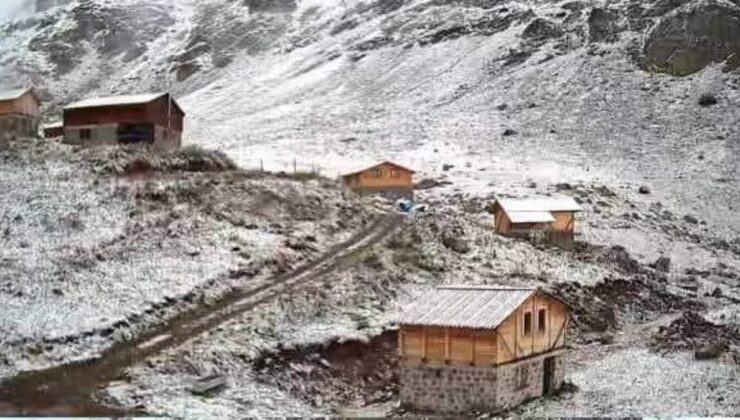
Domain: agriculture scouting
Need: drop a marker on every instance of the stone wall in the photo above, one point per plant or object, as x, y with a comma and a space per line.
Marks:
16, 126
519, 382
460, 388
447, 388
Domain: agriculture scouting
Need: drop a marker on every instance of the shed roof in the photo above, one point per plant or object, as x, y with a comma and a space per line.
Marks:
466, 306
543, 204
530, 217
366, 167
119, 101
11, 95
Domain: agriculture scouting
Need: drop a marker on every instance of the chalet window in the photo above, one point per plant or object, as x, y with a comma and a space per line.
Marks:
527, 323
542, 321
85, 134
395, 173
378, 173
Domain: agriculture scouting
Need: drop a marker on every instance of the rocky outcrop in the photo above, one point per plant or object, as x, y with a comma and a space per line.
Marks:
280, 6
541, 29
603, 25
108, 29
701, 33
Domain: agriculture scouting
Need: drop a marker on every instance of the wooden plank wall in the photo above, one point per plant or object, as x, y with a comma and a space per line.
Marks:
513, 343
26, 105
367, 178
448, 345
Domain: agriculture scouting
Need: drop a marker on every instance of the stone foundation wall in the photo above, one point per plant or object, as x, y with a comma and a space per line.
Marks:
16, 126
461, 388
519, 382
447, 388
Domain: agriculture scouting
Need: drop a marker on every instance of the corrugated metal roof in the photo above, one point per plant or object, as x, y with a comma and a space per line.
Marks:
530, 217
116, 100
11, 95
538, 204
466, 306
365, 167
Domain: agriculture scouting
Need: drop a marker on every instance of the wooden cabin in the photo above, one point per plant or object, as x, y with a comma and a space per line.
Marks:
19, 113
152, 119
481, 347
551, 218
386, 178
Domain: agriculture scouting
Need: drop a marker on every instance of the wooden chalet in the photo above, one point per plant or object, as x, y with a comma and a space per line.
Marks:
552, 218
481, 347
153, 119
386, 178
19, 113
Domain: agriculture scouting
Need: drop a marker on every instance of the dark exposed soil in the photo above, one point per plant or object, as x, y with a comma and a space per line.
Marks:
692, 331
603, 306
343, 373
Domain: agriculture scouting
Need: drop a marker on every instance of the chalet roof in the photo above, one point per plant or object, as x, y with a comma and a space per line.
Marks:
119, 101
11, 95
466, 306
530, 217
544, 204
366, 167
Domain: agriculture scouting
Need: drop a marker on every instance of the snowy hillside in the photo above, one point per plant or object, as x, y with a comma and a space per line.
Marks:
507, 91
631, 107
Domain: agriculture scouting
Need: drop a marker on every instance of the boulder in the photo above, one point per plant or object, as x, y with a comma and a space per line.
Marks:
456, 244
710, 351
690, 219
644, 190
696, 35
662, 264
707, 99
603, 25
541, 29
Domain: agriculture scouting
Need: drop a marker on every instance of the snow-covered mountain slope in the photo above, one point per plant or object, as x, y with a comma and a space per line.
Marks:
509, 92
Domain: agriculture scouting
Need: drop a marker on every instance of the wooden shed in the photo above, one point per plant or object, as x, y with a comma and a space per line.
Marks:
19, 113
154, 119
386, 178
468, 347
53, 130
553, 218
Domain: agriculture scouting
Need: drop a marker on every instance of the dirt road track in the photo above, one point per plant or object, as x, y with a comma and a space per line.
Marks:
69, 390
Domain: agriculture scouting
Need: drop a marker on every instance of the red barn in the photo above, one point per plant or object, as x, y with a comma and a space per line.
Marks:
154, 119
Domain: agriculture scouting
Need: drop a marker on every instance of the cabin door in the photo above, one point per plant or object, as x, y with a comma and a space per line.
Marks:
549, 374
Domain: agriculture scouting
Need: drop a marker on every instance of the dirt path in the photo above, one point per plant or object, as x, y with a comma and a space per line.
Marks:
69, 390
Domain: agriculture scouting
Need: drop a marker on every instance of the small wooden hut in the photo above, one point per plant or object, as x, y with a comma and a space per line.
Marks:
386, 178
19, 113
486, 347
553, 218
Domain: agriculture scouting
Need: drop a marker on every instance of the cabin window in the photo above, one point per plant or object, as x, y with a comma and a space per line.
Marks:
378, 173
542, 321
85, 134
527, 323
395, 173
